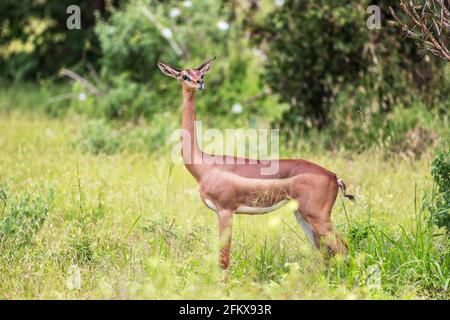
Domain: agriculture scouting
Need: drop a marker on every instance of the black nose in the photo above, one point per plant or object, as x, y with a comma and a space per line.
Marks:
199, 81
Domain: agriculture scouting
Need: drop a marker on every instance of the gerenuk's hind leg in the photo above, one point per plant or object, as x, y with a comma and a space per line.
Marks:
329, 238
319, 229
316, 198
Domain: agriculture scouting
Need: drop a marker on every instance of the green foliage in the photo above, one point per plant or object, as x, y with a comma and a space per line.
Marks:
19, 66
42, 97
132, 44
127, 100
81, 249
322, 55
22, 216
99, 136
405, 130
152, 136
440, 204
35, 41
327, 71
397, 255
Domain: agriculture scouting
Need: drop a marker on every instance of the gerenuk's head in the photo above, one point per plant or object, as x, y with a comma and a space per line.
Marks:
191, 79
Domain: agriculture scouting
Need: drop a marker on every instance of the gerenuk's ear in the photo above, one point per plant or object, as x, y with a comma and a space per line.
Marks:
204, 68
168, 70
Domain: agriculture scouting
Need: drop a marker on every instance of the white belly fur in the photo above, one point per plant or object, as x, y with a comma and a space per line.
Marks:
247, 209
260, 210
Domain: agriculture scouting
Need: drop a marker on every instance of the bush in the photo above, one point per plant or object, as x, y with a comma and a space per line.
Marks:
35, 41
404, 130
132, 45
326, 63
22, 216
99, 136
126, 100
440, 205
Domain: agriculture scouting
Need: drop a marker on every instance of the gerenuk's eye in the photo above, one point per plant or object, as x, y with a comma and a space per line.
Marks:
186, 78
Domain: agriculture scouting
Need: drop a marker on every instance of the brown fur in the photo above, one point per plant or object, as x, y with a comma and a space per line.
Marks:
240, 184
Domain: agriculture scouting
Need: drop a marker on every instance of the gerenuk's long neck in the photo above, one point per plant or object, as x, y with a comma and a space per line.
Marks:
190, 151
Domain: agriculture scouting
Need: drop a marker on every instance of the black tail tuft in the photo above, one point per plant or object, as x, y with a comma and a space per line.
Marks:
350, 197
342, 186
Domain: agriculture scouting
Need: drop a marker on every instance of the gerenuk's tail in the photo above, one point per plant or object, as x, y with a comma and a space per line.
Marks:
342, 186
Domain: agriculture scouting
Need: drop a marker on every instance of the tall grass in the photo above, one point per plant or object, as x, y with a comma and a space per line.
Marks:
129, 232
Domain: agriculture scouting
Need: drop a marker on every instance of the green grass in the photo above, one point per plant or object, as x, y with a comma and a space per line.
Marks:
109, 218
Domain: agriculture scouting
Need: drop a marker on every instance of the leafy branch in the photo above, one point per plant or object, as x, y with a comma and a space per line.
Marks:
428, 24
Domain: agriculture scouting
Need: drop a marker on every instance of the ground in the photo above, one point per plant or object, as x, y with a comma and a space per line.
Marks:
78, 225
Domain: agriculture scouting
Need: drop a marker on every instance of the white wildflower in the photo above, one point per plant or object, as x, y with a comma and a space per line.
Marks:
166, 33
111, 30
223, 25
236, 108
82, 96
175, 12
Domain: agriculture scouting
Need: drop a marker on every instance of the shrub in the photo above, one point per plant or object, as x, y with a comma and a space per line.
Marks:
22, 216
409, 130
127, 100
35, 41
131, 46
321, 54
150, 136
440, 205
97, 136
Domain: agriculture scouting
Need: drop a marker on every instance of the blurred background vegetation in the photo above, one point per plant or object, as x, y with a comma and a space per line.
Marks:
310, 67
306, 66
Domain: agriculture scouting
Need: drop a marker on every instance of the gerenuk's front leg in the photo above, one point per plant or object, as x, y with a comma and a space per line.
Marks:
225, 233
